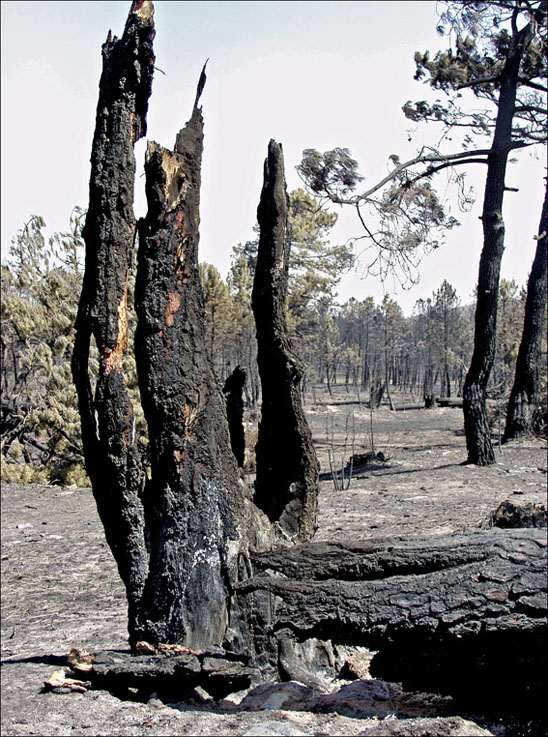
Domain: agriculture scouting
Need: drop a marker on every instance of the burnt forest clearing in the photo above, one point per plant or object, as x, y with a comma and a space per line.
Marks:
237, 506
60, 587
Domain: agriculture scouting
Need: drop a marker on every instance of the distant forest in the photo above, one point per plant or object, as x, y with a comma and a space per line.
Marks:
359, 346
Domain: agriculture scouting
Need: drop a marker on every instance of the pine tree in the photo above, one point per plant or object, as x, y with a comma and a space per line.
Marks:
40, 423
499, 56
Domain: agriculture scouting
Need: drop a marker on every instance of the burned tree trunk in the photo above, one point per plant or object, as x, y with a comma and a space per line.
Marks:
199, 518
525, 392
287, 466
464, 615
180, 537
233, 391
111, 457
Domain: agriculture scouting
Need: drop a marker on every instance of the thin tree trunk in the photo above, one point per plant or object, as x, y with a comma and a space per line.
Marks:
387, 374
526, 389
287, 466
112, 460
476, 426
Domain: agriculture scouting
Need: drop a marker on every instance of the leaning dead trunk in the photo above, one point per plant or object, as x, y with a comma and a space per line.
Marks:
526, 389
199, 518
287, 466
112, 460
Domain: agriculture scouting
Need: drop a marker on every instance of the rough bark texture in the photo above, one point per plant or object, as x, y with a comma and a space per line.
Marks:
233, 391
447, 615
180, 537
287, 466
476, 426
198, 517
112, 461
526, 388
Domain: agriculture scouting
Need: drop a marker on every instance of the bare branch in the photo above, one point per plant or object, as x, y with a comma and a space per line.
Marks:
514, 21
531, 109
447, 160
480, 80
533, 85
434, 169
369, 233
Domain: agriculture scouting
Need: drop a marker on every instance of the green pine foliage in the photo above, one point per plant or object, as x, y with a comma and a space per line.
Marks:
41, 284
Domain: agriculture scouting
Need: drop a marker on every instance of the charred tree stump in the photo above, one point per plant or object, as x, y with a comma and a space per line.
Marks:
233, 391
463, 615
449, 615
111, 457
287, 467
181, 538
199, 518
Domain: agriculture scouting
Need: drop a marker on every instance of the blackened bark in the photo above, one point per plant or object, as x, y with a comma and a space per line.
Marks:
233, 391
476, 426
464, 614
287, 466
111, 457
197, 515
526, 388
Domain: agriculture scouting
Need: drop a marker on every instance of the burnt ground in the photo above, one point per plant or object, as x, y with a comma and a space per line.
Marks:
60, 588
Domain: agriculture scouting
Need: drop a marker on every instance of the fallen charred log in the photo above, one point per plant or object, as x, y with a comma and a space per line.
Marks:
449, 401
463, 615
177, 676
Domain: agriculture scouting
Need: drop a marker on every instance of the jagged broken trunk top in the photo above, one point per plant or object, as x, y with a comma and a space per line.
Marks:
287, 466
112, 460
195, 505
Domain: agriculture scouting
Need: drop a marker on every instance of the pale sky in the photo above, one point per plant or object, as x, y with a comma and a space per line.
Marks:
308, 74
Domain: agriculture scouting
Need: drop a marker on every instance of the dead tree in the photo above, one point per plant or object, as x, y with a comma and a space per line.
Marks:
112, 461
200, 518
463, 614
188, 538
178, 537
287, 466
